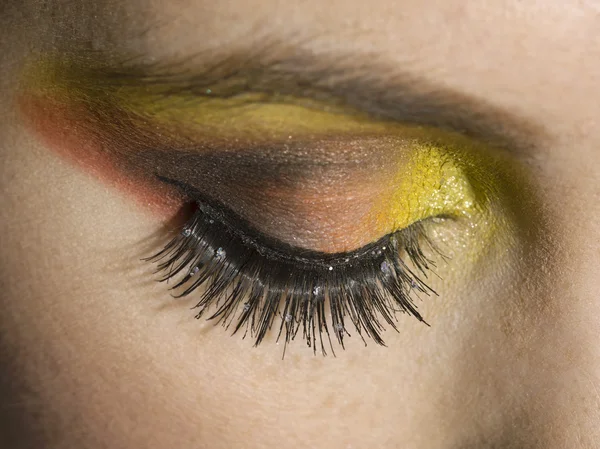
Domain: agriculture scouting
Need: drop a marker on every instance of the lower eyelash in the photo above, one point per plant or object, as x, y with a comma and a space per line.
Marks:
252, 280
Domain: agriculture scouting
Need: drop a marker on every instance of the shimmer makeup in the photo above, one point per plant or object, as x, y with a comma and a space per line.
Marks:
308, 212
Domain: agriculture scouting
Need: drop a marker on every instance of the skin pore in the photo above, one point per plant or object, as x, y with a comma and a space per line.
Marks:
96, 354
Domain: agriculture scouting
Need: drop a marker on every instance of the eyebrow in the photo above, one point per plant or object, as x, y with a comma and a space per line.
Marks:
372, 89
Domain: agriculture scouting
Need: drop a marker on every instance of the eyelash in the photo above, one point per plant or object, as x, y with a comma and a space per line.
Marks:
253, 279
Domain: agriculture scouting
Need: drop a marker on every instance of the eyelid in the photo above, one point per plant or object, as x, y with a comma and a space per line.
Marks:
112, 140
125, 151
395, 183
269, 247
141, 153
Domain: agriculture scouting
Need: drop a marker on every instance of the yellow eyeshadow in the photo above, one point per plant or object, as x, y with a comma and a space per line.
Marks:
250, 116
199, 115
269, 121
431, 184
449, 175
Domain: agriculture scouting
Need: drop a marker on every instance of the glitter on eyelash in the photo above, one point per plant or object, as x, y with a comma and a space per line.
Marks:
251, 280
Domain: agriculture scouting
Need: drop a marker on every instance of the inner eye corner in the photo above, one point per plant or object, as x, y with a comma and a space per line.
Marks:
441, 218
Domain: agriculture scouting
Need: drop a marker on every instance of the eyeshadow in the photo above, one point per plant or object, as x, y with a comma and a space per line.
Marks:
326, 179
69, 132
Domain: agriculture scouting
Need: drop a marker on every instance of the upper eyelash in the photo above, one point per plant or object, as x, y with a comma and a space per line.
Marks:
258, 278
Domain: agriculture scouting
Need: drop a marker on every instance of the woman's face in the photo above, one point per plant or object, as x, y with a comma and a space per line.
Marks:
312, 129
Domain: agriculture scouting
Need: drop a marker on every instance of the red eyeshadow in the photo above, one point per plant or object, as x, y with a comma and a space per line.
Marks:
74, 134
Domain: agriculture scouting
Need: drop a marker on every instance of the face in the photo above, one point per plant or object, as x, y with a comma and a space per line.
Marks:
382, 215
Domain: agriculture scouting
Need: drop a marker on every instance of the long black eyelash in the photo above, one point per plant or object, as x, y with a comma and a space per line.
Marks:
252, 279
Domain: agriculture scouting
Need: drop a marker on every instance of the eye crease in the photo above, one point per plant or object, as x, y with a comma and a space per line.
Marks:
316, 222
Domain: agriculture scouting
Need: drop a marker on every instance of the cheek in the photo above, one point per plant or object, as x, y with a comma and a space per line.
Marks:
74, 134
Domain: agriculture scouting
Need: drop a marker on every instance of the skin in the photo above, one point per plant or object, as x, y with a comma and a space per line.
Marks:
95, 355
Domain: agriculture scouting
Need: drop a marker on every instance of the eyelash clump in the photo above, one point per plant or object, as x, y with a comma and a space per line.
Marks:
251, 280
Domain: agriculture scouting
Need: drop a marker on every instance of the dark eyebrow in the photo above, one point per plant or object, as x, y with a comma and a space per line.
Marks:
338, 81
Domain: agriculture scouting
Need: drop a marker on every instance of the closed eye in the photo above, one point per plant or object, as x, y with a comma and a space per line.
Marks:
251, 279
308, 212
